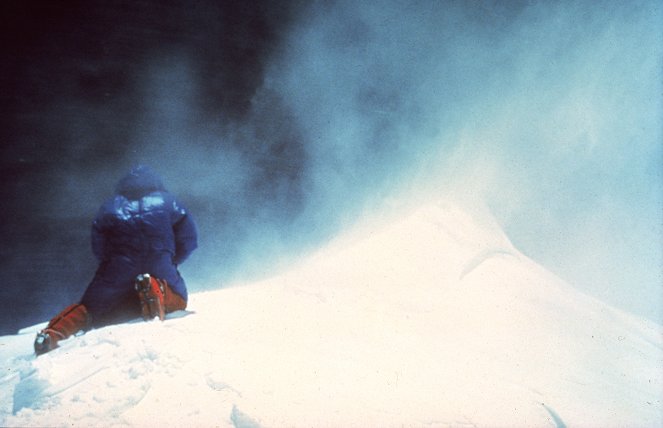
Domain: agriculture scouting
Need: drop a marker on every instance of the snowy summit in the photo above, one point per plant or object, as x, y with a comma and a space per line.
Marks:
431, 320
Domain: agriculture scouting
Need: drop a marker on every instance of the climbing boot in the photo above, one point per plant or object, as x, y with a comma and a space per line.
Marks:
151, 294
70, 321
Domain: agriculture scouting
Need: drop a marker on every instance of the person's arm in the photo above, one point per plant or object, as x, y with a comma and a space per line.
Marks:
186, 237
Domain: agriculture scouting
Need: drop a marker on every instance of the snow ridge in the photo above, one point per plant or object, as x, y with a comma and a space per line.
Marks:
432, 320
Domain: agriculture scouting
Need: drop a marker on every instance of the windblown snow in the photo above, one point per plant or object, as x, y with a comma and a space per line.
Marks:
434, 319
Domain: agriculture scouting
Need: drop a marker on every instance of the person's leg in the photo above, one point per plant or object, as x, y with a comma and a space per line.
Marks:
67, 323
110, 297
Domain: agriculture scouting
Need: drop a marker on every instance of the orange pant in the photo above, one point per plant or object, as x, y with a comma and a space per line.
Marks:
75, 317
172, 301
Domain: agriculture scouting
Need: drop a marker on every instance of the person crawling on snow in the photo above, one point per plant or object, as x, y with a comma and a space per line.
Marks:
139, 237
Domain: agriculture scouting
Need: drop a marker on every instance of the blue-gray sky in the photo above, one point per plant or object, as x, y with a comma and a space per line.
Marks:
279, 123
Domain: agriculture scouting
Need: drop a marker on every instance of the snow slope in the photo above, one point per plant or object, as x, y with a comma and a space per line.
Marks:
431, 320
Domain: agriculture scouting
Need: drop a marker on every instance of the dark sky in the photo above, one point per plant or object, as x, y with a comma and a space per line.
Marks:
74, 115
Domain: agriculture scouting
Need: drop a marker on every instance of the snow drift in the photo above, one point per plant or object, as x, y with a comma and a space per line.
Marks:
433, 319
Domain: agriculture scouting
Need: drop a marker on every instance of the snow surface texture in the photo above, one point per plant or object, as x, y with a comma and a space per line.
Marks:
432, 320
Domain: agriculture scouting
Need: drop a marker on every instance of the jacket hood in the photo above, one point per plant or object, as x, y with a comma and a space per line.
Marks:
139, 182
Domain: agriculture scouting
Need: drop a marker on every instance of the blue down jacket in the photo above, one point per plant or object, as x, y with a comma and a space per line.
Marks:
142, 229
